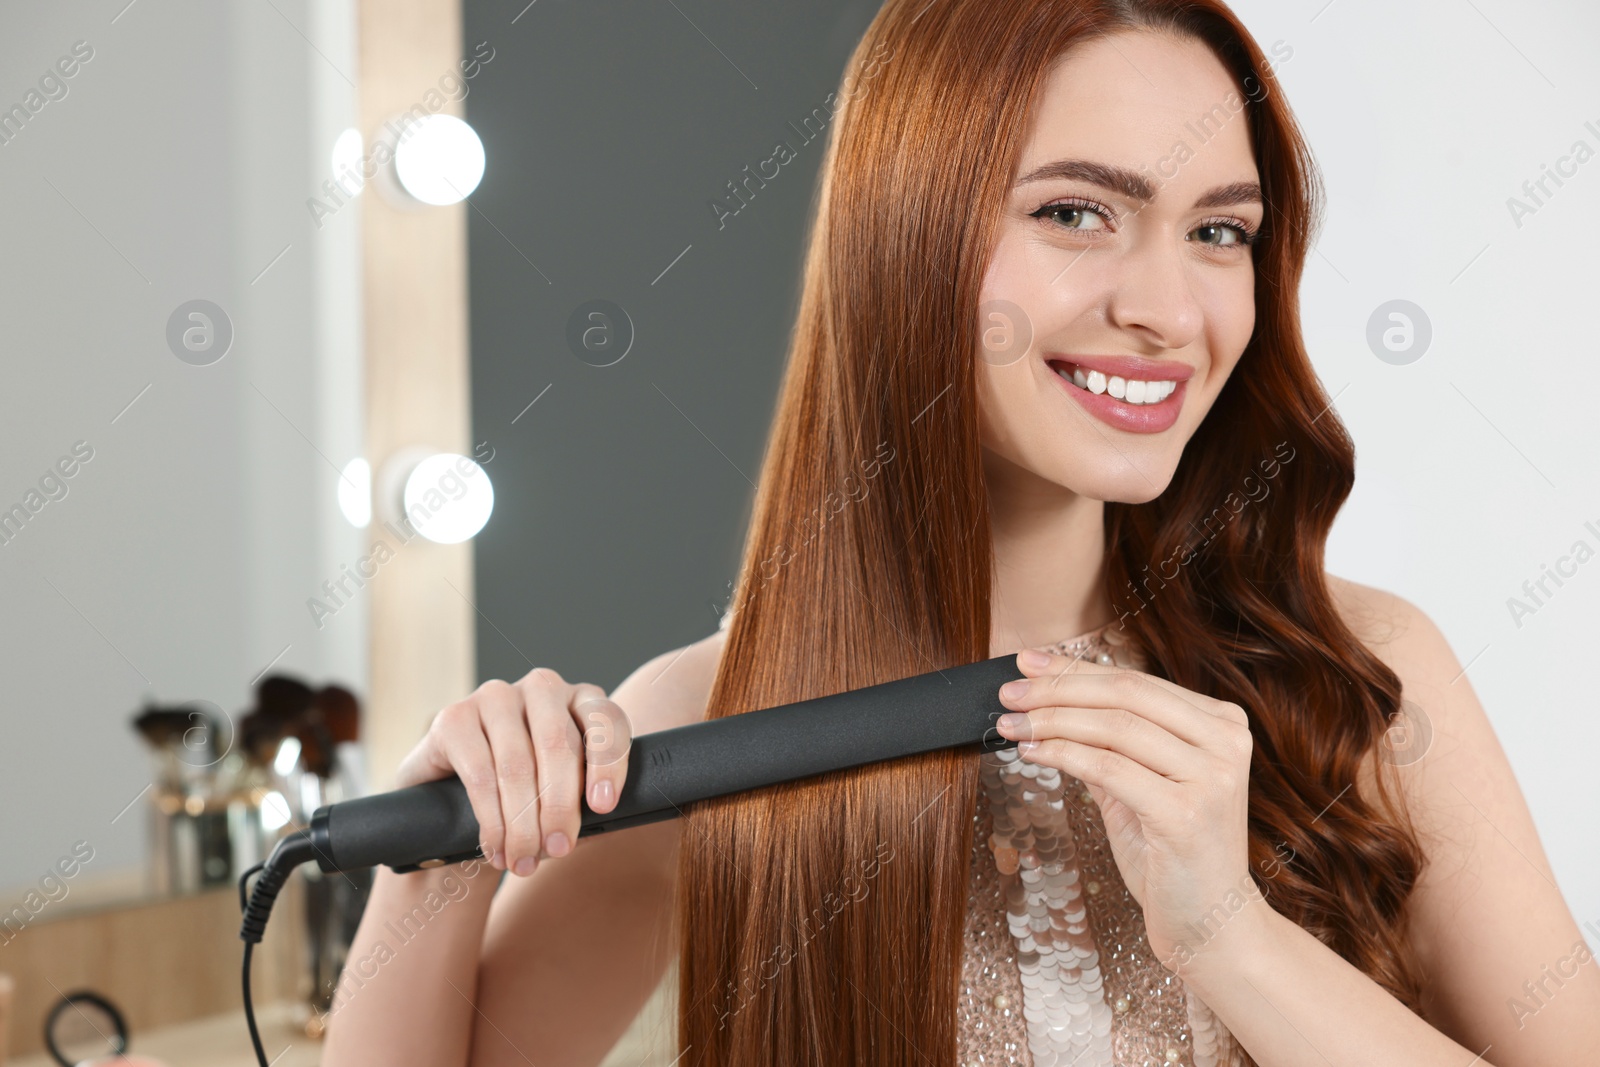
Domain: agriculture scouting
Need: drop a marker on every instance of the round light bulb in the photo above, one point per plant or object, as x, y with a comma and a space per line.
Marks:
448, 498
439, 160
347, 162
355, 492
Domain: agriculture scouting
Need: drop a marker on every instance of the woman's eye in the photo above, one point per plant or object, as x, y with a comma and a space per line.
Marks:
1076, 217
1223, 234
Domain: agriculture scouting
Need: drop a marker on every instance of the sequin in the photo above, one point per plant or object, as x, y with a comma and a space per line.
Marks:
1055, 967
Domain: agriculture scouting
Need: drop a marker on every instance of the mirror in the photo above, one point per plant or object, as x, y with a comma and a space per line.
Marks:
184, 394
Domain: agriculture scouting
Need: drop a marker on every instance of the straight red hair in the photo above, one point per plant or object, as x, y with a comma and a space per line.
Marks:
821, 921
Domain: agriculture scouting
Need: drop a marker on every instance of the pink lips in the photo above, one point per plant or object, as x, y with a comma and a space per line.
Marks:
1134, 418
1150, 370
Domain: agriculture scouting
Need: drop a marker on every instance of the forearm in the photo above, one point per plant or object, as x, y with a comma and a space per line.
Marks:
406, 992
571, 954
1293, 1002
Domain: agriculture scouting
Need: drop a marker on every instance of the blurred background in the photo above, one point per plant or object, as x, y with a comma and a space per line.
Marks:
322, 405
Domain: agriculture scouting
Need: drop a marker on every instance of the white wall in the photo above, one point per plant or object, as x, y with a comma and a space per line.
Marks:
177, 566
1476, 463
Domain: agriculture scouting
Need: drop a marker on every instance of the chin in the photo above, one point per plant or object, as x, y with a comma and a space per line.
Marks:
1114, 480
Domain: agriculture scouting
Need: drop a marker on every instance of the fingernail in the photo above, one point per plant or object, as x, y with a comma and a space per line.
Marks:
557, 844
1014, 690
1032, 657
1010, 721
525, 865
603, 792
1024, 747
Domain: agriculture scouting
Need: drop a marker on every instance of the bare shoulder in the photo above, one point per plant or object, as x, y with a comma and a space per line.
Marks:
1432, 676
1441, 716
1485, 868
1438, 704
672, 689
1396, 630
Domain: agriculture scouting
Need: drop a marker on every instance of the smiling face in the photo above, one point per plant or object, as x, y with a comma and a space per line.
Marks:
1122, 259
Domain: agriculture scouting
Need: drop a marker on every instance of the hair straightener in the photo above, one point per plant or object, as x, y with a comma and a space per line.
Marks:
432, 824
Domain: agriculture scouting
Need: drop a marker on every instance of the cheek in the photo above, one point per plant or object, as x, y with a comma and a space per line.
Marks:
1230, 311
1052, 286
1005, 329
999, 407
1027, 304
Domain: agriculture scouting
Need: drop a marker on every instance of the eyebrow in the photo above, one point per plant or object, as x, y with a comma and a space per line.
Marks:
1135, 186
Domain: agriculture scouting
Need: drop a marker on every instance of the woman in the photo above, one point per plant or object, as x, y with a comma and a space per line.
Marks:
1047, 392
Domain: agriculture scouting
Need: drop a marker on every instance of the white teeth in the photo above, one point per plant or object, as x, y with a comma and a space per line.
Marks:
1128, 390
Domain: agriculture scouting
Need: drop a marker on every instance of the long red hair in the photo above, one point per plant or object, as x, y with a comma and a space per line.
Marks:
821, 921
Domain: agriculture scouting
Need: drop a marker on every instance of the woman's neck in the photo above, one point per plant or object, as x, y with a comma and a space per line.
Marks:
1049, 548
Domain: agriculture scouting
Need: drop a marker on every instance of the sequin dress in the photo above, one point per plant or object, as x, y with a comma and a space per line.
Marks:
1055, 968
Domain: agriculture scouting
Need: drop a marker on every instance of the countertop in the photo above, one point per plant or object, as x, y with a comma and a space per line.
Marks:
220, 1041
224, 1040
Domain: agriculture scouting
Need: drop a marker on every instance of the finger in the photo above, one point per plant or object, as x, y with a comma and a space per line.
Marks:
607, 739
1144, 792
1117, 729
557, 753
1063, 665
1225, 710
1220, 709
507, 730
461, 739
1096, 686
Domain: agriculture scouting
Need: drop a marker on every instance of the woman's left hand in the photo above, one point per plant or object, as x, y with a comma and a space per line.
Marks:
1170, 771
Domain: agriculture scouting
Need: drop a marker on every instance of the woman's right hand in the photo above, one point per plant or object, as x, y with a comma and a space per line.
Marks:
526, 753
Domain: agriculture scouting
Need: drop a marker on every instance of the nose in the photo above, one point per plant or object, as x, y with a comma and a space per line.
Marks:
1151, 293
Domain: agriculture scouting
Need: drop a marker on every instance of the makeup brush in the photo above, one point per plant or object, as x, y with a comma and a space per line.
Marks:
280, 702
283, 697
162, 727
316, 747
340, 712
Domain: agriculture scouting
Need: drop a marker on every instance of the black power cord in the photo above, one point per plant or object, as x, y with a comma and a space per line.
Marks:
256, 905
